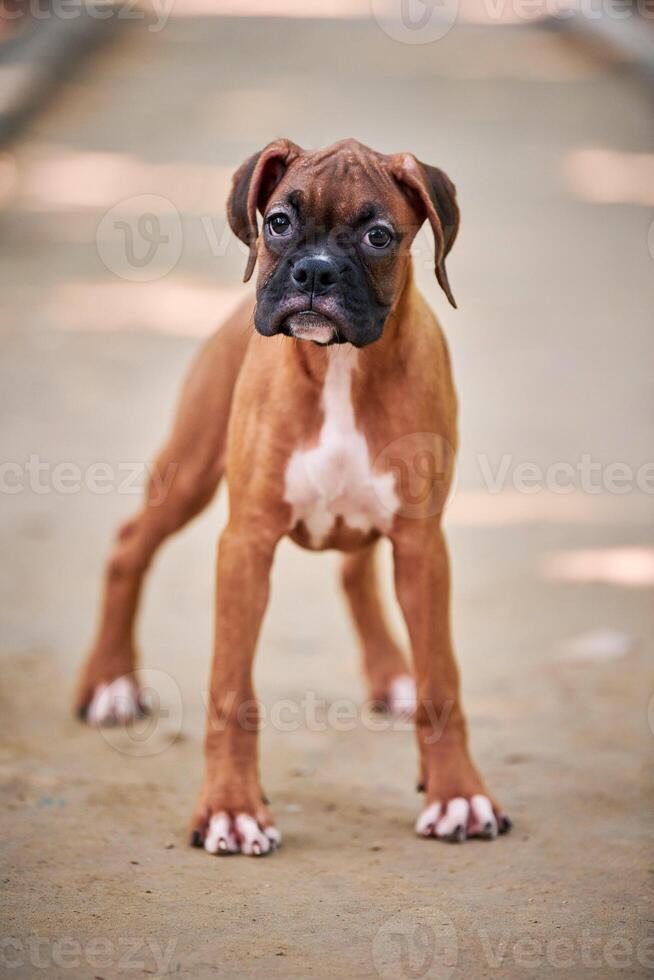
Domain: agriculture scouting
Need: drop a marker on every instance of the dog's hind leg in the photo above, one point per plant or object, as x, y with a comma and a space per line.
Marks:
183, 480
389, 678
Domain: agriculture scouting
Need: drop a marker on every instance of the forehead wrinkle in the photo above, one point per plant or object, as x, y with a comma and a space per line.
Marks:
338, 181
294, 200
367, 212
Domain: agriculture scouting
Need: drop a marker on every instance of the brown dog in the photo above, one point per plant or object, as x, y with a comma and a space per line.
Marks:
325, 442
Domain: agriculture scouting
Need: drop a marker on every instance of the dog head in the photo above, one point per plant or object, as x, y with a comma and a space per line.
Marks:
337, 227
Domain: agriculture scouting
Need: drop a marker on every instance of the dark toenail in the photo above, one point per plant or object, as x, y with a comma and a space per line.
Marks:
196, 839
489, 832
457, 836
505, 825
265, 800
81, 712
421, 787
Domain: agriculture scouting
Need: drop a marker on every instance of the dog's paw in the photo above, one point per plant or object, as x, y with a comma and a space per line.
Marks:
461, 818
113, 703
238, 834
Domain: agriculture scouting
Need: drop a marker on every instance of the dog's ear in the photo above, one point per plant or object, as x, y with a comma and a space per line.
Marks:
433, 195
252, 185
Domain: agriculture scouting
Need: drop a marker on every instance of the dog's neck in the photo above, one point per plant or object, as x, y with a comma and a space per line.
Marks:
373, 361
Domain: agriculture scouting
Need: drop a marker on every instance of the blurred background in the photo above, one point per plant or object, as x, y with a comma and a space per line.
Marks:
120, 127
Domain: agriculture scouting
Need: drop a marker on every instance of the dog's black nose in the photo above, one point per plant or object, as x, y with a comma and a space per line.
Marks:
315, 274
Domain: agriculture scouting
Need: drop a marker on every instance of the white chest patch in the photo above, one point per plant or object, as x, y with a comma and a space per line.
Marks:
335, 479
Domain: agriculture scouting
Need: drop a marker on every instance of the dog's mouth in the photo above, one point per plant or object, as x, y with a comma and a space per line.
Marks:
311, 325
316, 318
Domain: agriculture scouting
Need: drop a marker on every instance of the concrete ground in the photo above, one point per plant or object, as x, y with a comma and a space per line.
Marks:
551, 147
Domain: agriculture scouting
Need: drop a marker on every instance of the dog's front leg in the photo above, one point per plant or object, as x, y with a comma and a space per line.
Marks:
458, 803
232, 816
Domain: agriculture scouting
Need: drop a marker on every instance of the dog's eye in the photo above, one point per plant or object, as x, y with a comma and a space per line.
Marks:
378, 237
278, 224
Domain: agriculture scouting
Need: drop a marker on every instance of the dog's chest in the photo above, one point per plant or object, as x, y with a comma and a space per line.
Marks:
334, 479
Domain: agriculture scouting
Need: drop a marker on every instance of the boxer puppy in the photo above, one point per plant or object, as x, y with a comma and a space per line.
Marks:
338, 432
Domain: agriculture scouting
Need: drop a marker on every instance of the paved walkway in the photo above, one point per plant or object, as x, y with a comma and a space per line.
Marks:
551, 148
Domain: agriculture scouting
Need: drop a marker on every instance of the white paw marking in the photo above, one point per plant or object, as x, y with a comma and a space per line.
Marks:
113, 703
460, 819
402, 696
482, 818
426, 822
220, 836
455, 817
242, 834
253, 839
335, 478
